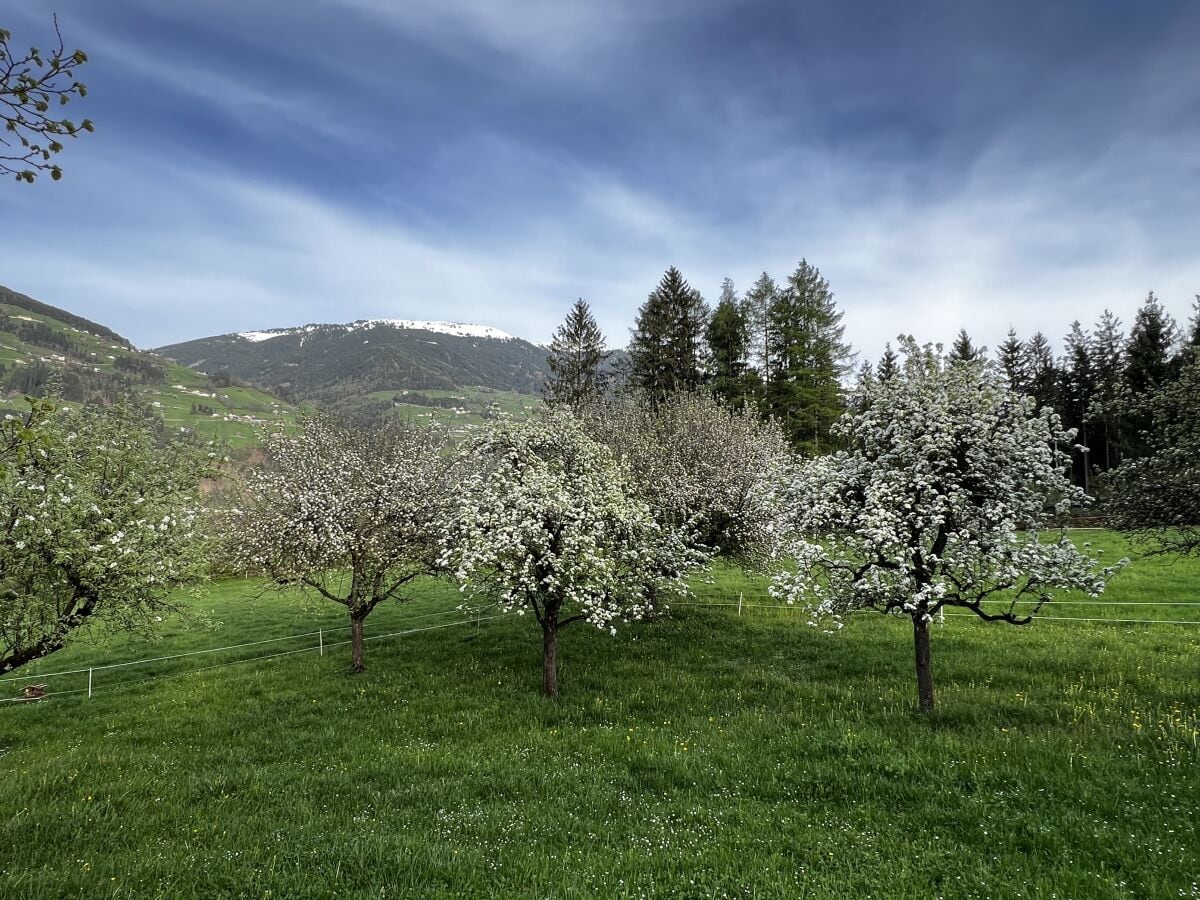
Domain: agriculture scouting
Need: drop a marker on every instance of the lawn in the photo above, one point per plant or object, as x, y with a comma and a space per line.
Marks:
705, 755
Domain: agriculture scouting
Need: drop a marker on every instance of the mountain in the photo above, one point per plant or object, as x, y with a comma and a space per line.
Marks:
361, 362
42, 345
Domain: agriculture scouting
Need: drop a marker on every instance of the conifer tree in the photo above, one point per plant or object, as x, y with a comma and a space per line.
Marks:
963, 349
758, 307
667, 350
1108, 368
809, 359
1078, 390
1042, 372
1148, 368
576, 360
1192, 338
1011, 357
889, 363
728, 336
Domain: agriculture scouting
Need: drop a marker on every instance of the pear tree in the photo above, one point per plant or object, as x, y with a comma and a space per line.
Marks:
945, 495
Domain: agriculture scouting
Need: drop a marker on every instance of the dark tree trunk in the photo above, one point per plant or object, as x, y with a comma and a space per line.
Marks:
550, 655
924, 666
356, 641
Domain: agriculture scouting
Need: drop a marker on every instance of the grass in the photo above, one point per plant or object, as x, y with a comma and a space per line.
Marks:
705, 755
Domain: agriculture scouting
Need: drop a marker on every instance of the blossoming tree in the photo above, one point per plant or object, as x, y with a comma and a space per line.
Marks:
549, 523
99, 526
704, 467
938, 500
354, 516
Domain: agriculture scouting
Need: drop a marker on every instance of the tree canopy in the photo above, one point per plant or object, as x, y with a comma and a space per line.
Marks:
939, 499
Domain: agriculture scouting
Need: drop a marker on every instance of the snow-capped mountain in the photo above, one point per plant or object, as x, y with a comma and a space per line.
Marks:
332, 362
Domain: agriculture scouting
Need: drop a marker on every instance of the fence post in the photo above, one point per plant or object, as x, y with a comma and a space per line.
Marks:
320, 642
739, 604
89, 684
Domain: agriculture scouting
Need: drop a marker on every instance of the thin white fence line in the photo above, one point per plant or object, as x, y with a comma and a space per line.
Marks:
970, 615
235, 662
1141, 603
1040, 618
8, 679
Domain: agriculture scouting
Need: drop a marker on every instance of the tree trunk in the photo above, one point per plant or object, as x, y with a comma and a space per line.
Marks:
550, 656
356, 641
924, 667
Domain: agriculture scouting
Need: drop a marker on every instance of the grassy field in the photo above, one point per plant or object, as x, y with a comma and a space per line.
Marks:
470, 409
705, 755
239, 414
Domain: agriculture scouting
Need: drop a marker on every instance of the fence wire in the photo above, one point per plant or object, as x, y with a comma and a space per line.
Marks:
463, 617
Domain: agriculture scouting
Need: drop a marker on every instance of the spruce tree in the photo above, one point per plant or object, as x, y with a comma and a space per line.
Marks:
1108, 370
1011, 357
1042, 371
1078, 391
576, 360
889, 363
1192, 338
728, 336
758, 307
1148, 368
963, 349
667, 350
809, 359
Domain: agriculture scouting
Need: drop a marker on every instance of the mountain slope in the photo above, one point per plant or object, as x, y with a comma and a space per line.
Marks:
337, 364
41, 345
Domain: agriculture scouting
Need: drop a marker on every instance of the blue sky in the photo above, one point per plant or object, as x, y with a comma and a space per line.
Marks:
945, 163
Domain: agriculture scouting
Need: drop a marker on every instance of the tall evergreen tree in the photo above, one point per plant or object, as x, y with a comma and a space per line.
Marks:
1042, 370
576, 360
667, 350
889, 363
1148, 368
1012, 359
728, 336
1078, 390
758, 308
964, 350
1108, 370
805, 341
1192, 338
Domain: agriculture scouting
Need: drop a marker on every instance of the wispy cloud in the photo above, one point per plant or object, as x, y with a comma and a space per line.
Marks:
496, 164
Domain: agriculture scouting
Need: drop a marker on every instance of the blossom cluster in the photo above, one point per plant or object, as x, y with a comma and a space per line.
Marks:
100, 523
941, 498
550, 522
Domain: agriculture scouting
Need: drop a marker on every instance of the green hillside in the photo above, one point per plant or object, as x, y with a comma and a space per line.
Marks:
349, 368
41, 346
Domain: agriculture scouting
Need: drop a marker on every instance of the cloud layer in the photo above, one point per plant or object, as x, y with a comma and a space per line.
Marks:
258, 165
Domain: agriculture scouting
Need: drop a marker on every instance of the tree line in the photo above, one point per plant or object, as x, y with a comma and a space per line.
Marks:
780, 351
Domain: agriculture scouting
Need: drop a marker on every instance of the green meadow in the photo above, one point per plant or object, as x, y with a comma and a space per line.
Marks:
707, 754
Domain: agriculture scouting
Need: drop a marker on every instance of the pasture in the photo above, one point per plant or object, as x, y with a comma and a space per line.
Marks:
709, 754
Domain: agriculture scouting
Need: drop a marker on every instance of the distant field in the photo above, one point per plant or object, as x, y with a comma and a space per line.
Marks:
239, 414
461, 411
705, 755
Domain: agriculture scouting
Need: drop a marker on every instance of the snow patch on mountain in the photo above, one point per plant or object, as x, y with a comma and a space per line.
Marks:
457, 329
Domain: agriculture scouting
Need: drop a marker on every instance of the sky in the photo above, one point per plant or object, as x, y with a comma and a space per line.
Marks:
944, 163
